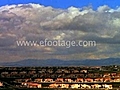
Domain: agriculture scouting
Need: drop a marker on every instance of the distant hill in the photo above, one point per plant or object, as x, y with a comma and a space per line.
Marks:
57, 62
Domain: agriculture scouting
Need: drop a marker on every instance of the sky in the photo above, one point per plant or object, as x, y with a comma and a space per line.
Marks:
68, 20
65, 3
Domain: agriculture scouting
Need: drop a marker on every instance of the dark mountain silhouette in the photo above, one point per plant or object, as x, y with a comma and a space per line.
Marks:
57, 62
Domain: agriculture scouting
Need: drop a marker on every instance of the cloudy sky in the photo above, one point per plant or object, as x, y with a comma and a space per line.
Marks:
35, 20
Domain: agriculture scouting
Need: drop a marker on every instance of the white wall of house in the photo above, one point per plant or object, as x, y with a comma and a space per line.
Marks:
75, 86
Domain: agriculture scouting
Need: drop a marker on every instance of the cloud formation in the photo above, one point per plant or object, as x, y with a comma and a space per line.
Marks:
37, 22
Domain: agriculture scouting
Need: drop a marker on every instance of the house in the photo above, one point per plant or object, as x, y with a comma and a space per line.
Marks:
59, 86
68, 80
75, 86
27, 80
88, 80
32, 72
59, 71
1, 84
107, 86
75, 71
116, 80
34, 85
23, 72
80, 75
107, 79
24, 83
84, 86
98, 80
13, 73
66, 71
3, 73
118, 73
31, 85
113, 74
106, 75
90, 75
23, 80
38, 80
64, 85
83, 71
50, 71
59, 80
97, 86
48, 80
79, 80
53, 85
19, 80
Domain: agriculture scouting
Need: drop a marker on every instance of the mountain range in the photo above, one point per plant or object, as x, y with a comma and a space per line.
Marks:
57, 62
